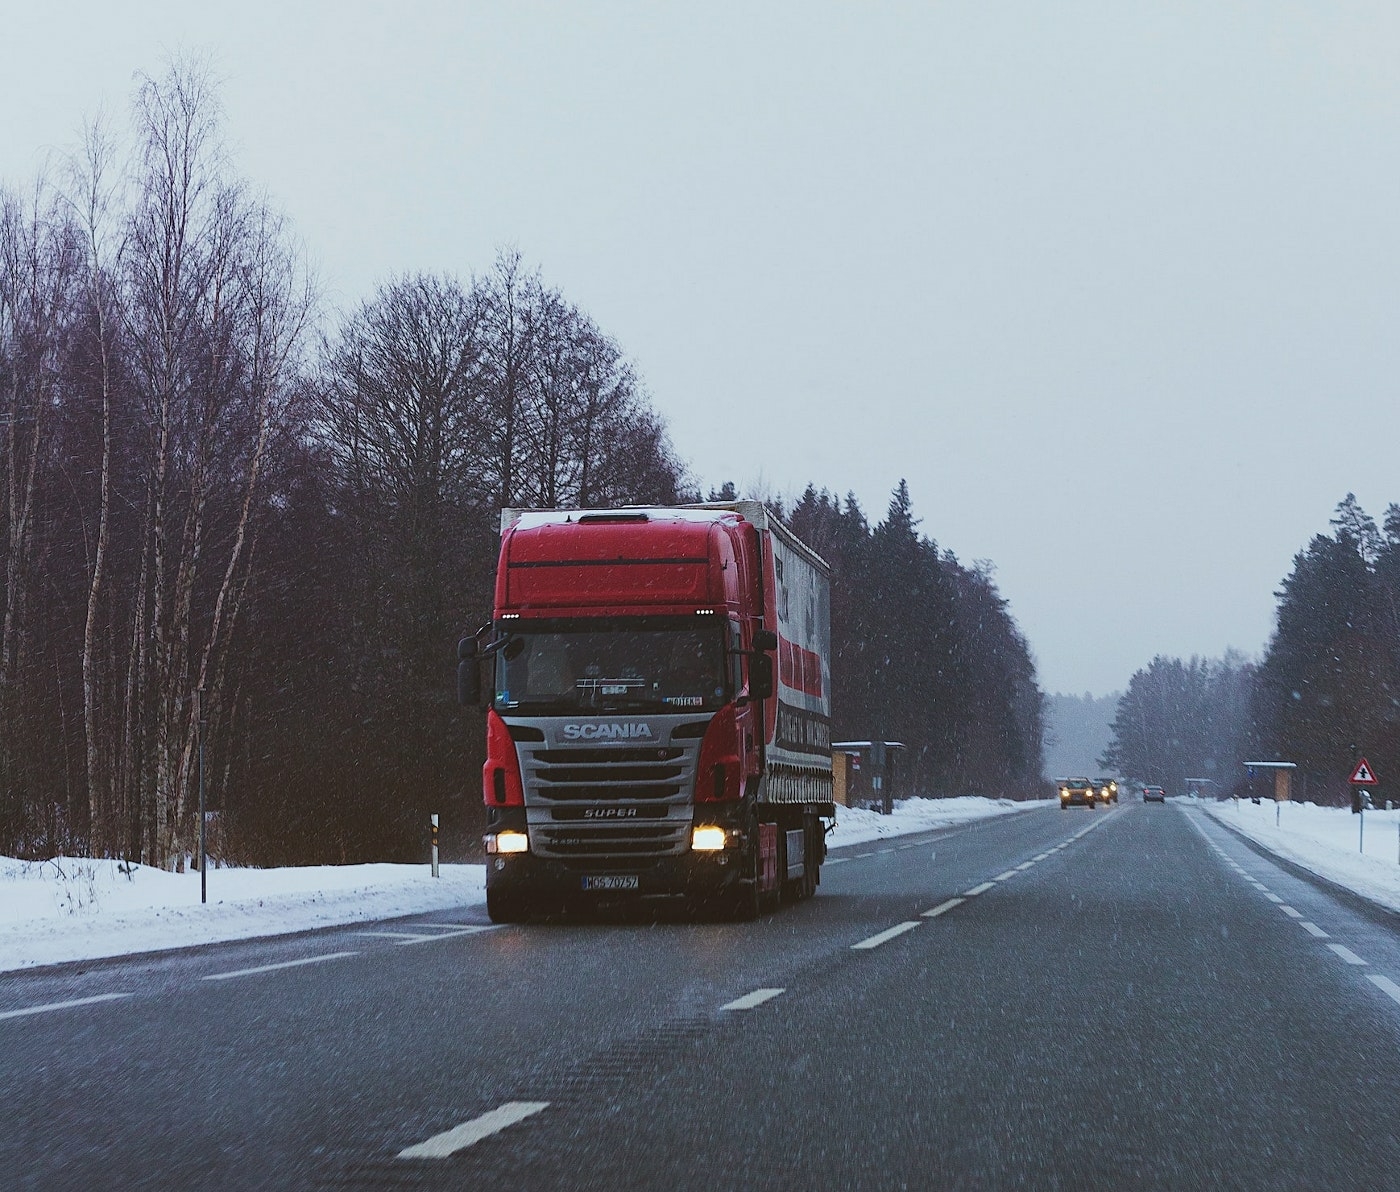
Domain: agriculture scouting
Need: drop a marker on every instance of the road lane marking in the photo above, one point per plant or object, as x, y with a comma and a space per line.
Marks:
1005, 877
858, 856
1314, 930
835, 860
888, 934
1386, 984
1025, 865
885, 852
405, 937
750, 1000
942, 908
1272, 897
272, 968
1290, 912
982, 889
440, 1146
77, 1001
1347, 954
1041, 856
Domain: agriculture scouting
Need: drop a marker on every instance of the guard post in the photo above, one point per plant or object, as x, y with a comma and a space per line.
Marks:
434, 819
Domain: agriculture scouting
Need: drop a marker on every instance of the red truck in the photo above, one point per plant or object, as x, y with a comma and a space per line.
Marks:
641, 743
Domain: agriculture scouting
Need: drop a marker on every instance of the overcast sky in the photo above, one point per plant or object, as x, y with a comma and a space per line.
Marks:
1113, 285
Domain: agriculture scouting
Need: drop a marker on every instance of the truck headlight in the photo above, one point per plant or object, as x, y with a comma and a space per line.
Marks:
508, 842
707, 839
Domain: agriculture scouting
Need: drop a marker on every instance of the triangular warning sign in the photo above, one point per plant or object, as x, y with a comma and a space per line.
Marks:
1363, 775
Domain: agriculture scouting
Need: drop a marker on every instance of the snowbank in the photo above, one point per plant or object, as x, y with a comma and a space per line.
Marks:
76, 909
1326, 841
70, 908
855, 824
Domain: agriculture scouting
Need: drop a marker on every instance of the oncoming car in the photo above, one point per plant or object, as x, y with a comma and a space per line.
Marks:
1153, 794
1077, 790
1108, 790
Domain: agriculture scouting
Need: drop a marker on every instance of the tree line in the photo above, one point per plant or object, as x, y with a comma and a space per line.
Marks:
1326, 691
208, 485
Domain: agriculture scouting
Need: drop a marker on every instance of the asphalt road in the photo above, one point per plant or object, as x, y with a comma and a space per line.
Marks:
1082, 999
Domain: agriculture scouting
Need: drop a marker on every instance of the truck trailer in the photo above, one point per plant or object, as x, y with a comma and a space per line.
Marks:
657, 690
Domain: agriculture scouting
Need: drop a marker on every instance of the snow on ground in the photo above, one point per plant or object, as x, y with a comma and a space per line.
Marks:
71, 908
854, 825
76, 909
1326, 841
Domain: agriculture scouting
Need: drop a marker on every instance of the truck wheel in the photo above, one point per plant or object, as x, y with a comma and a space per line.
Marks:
506, 908
747, 902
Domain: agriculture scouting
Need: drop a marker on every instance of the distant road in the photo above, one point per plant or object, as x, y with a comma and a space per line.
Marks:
1130, 998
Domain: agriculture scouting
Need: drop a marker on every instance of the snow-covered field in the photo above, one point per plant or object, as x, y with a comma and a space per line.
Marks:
1327, 841
76, 909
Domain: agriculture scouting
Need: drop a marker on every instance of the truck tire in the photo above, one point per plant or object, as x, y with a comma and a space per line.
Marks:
506, 908
746, 902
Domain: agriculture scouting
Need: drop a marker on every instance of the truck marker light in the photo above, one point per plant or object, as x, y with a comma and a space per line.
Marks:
510, 842
707, 839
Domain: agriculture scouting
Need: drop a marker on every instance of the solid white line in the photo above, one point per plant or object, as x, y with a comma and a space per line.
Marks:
1347, 954
750, 1000
440, 1146
1272, 897
942, 908
1025, 865
77, 1001
1314, 930
982, 889
271, 968
1291, 913
1005, 877
835, 860
888, 934
1386, 984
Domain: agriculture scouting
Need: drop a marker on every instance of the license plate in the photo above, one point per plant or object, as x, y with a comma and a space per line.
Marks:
624, 881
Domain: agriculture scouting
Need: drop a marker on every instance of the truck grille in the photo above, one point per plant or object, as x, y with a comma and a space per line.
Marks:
615, 809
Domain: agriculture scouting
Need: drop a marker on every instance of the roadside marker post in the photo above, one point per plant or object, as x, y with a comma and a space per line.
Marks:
435, 844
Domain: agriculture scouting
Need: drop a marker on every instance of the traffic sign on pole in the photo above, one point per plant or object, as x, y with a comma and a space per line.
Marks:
1363, 775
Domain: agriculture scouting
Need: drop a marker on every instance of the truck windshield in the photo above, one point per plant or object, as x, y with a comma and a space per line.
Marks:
640, 663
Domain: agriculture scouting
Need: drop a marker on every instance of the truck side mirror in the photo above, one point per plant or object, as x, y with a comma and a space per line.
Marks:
765, 640
760, 677
468, 674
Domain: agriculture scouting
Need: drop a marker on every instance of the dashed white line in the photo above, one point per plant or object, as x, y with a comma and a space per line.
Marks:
756, 998
1347, 954
77, 1001
271, 968
943, 908
885, 852
858, 856
1041, 856
1272, 897
1314, 930
1025, 865
1005, 877
976, 890
440, 1146
836, 860
1385, 984
888, 934
1290, 912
